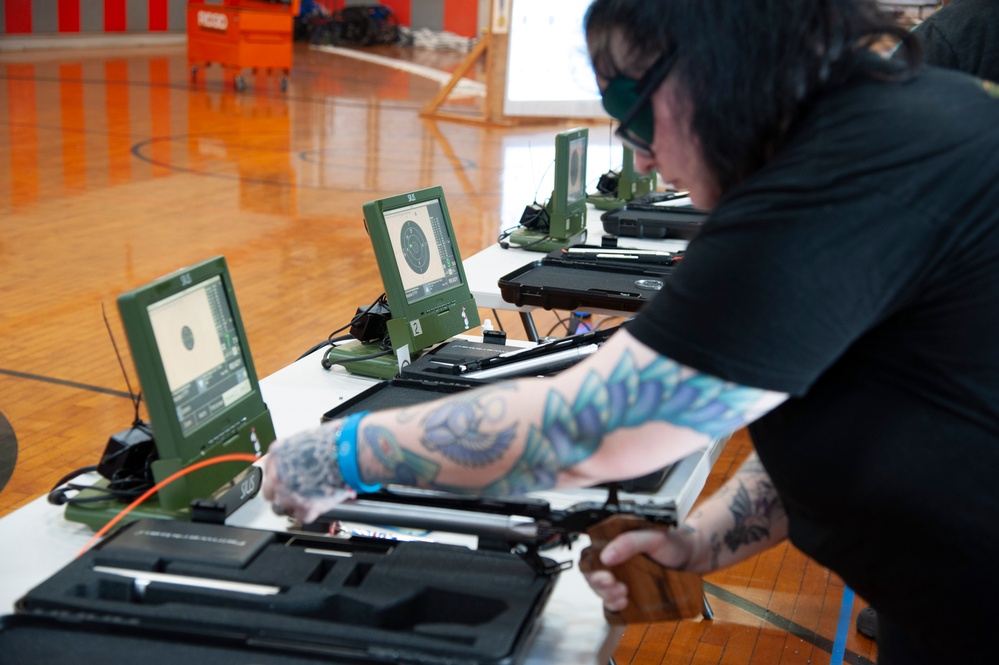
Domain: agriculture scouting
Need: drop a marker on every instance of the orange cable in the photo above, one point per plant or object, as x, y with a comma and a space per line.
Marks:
231, 457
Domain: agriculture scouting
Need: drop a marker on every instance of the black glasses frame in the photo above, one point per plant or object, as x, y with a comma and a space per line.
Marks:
645, 87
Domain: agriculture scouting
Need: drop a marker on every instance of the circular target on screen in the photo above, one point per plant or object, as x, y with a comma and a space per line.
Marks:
415, 247
573, 169
187, 337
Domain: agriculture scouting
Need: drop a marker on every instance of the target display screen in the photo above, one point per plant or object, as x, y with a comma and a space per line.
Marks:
576, 190
423, 250
201, 353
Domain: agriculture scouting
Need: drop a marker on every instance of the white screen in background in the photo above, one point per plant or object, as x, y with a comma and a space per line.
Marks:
548, 67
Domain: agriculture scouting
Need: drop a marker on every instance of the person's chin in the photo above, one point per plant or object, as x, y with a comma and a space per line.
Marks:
702, 200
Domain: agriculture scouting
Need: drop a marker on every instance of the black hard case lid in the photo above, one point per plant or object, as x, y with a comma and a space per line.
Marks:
38, 640
340, 601
658, 222
557, 283
395, 393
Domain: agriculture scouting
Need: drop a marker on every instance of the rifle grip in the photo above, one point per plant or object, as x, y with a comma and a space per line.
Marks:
655, 593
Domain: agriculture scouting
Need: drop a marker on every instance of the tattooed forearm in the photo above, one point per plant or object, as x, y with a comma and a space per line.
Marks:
744, 517
537, 468
462, 430
754, 515
459, 430
398, 465
755, 507
500, 433
306, 464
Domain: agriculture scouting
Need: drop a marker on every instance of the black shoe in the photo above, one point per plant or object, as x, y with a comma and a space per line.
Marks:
867, 622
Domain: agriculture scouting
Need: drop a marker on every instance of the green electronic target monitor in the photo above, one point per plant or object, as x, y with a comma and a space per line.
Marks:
563, 222
423, 276
630, 185
199, 385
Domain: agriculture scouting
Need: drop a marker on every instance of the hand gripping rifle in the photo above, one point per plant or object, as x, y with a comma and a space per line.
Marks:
528, 525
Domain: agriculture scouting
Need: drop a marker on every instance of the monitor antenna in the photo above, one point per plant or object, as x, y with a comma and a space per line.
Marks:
136, 398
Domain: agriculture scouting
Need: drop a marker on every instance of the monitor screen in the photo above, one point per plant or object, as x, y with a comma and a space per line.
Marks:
421, 268
424, 253
194, 364
576, 167
201, 352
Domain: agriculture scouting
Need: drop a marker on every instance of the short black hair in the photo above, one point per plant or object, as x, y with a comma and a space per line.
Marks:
748, 67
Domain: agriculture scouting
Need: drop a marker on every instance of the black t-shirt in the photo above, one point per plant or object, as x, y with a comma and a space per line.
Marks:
859, 272
964, 35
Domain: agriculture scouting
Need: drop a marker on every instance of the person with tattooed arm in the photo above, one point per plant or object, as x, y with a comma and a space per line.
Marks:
840, 300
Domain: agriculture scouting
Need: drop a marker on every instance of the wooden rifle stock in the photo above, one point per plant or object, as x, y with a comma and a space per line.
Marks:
655, 593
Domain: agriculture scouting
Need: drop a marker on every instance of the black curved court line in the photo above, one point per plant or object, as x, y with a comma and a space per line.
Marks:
303, 155
792, 628
64, 382
137, 147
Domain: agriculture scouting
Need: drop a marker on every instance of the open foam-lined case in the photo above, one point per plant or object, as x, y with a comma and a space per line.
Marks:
143, 595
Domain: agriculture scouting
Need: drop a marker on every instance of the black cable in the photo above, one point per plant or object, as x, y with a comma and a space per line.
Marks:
380, 300
561, 322
386, 343
315, 348
120, 487
73, 474
120, 491
331, 340
609, 317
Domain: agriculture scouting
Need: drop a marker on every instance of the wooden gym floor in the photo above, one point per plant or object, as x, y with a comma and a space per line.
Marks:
115, 169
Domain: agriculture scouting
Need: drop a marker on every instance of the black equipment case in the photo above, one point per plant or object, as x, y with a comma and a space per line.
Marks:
394, 393
189, 593
645, 220
560, 282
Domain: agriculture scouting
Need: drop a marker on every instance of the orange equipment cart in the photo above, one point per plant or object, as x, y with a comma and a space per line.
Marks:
241, 34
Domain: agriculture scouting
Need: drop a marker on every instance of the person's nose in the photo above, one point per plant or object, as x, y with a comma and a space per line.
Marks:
644, 163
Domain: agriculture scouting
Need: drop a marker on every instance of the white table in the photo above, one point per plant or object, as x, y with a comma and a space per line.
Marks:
36, 541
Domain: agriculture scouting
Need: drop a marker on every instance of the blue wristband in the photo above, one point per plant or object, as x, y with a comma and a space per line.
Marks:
346, 454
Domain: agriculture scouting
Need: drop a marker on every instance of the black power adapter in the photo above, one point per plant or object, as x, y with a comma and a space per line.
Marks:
608, 182
128, 453
370, 323
535, 217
